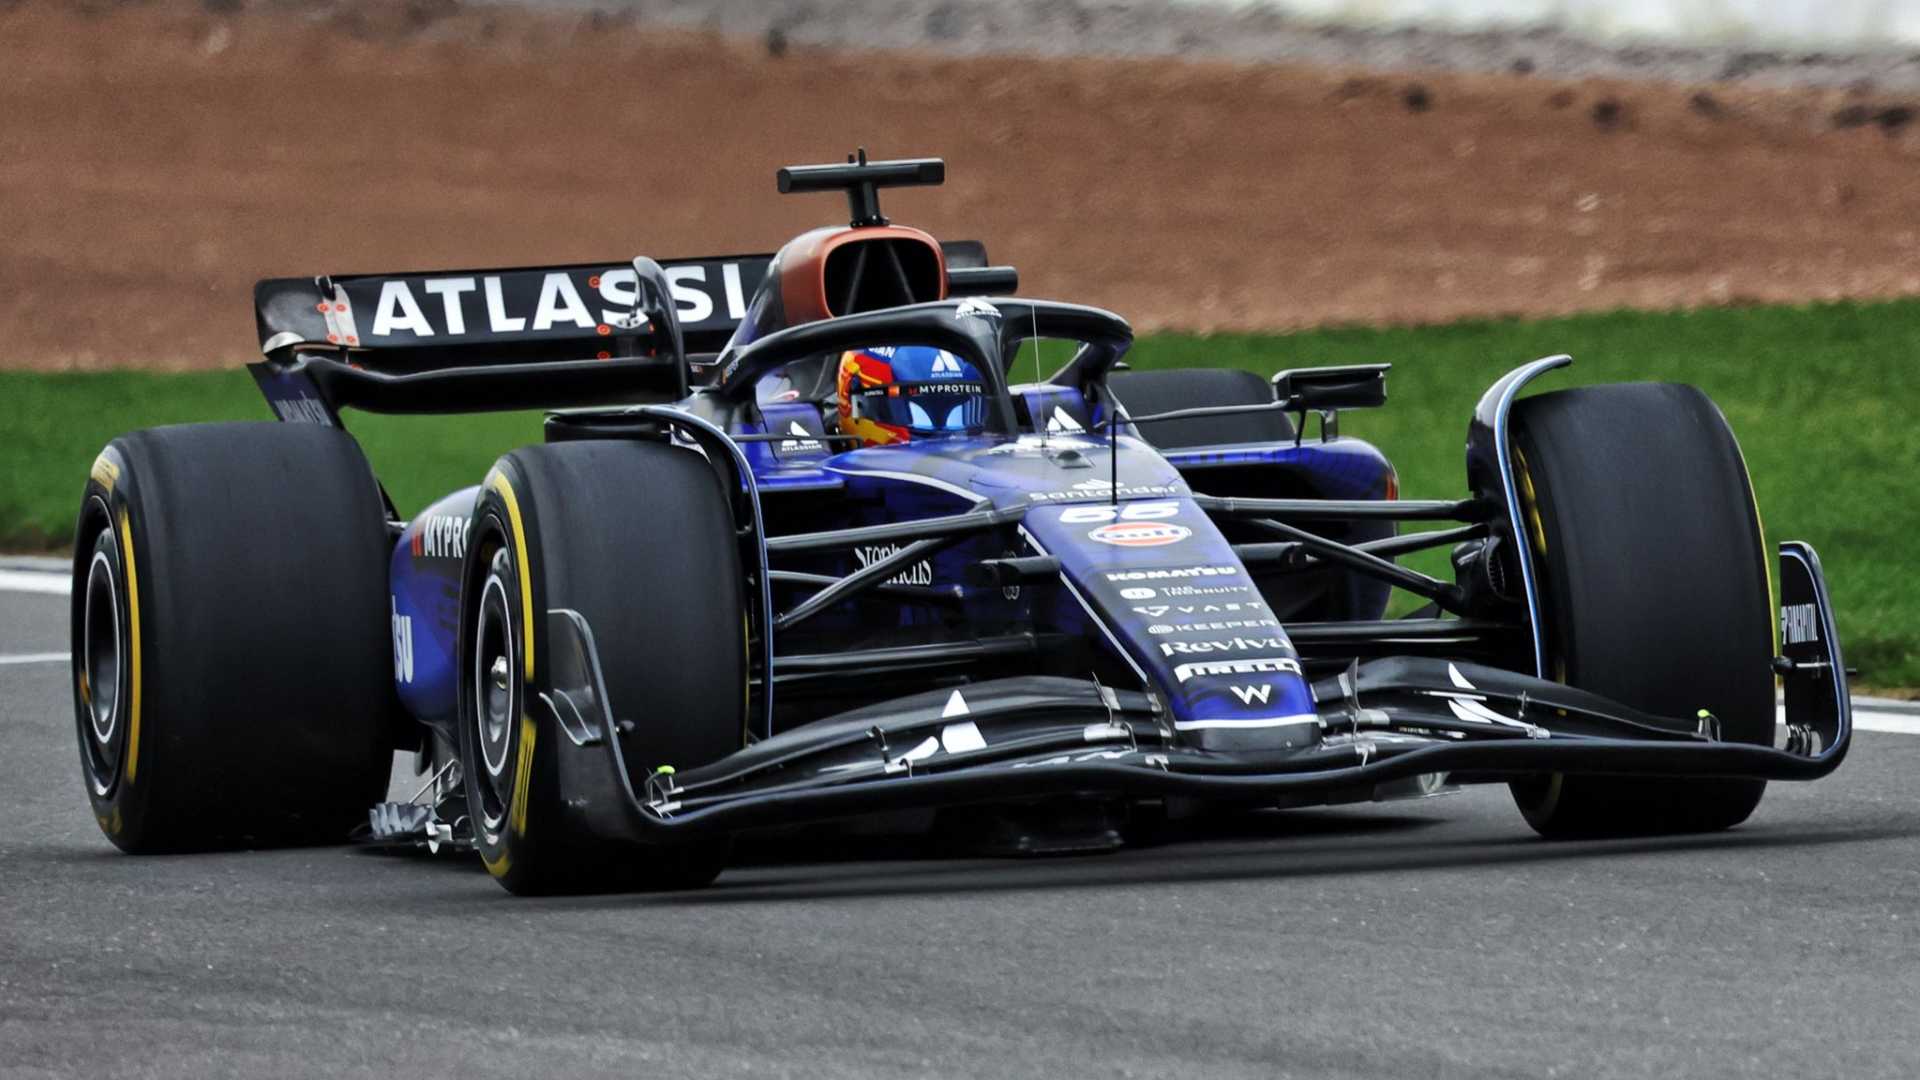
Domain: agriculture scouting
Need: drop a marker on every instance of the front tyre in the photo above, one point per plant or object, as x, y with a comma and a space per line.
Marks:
1652, 579
637, 538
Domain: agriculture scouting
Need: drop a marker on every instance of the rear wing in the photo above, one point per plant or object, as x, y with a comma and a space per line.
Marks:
423, 320
417, 321
511, 338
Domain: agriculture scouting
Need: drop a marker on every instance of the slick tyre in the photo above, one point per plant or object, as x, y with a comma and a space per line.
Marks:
1652, 577
638, 539
232, 666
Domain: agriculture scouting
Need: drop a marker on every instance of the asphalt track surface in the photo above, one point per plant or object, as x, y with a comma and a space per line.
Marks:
1430, 939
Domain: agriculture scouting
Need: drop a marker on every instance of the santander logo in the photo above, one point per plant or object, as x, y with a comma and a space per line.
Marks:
1140, 534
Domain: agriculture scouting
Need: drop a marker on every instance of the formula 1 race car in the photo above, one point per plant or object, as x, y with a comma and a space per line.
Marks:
801, 545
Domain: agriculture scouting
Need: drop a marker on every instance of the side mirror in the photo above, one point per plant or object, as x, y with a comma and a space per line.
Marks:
1356, 386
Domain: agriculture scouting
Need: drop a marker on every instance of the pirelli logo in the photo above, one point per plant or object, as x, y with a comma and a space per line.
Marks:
1183, 672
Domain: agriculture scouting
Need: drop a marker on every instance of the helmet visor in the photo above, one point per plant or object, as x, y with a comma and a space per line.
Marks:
925, 408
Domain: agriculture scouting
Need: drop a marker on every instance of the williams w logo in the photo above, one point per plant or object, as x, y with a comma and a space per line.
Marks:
1250, 694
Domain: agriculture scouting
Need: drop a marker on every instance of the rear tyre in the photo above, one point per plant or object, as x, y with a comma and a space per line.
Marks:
1653, 584
638, 539
232, 674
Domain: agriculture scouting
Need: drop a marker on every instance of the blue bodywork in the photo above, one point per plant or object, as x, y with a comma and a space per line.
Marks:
1144, 573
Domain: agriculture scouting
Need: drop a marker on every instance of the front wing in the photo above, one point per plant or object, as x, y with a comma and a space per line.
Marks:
1381, 721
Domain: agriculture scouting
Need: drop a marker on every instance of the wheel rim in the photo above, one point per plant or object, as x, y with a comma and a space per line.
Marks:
496, 696
100, 667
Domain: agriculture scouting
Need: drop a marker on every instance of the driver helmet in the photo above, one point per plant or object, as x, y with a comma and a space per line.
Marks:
898, 393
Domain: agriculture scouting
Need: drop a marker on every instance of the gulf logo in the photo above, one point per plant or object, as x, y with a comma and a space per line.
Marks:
1140, 534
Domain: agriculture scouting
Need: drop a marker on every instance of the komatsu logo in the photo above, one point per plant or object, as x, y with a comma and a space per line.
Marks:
1799, 624
1174, 573
301, 410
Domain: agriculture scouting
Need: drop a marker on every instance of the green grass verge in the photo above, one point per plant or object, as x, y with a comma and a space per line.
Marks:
55, 424
1822, 398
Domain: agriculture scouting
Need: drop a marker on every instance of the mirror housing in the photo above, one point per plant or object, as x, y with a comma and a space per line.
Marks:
1354, 386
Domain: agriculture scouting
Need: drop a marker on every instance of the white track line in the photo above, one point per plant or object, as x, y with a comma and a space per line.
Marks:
33, 582
37, 658
1866, 719
1888, 722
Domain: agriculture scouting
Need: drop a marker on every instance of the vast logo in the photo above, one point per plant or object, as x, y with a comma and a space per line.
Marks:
1263, 665
1157, 610
1140, 534
920, 573
441, 536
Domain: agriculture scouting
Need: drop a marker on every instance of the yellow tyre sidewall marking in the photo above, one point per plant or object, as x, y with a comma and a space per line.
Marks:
105, 471
1766, 555
133, 639
1528, 503
498, 482
522, 777
523, 765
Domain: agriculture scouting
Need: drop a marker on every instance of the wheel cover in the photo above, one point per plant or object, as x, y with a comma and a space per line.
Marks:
101, 733
496, 697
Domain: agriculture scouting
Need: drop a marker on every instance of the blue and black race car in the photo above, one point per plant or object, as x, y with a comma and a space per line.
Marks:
814, 536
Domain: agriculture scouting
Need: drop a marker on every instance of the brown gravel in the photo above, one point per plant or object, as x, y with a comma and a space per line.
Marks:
156, 158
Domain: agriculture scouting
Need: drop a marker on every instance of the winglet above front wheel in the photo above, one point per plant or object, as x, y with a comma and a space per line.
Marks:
1819, 713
